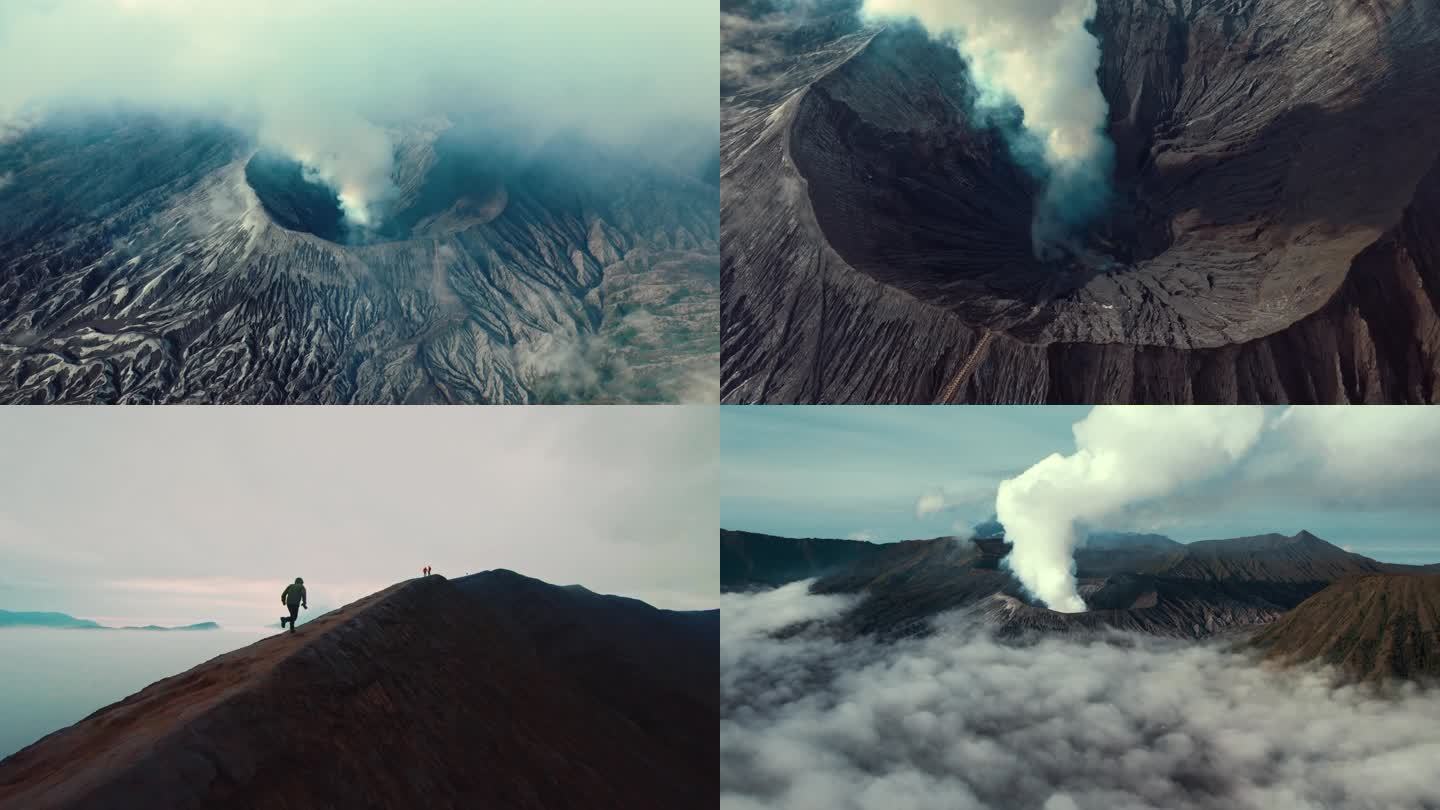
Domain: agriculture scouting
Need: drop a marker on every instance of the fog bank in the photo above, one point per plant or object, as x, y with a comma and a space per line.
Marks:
959, 721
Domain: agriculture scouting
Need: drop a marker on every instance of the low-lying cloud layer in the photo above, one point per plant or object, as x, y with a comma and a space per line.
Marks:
1039, 55
322, 80
962, 722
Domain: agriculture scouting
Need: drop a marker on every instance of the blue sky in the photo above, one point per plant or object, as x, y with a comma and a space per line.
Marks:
861, 472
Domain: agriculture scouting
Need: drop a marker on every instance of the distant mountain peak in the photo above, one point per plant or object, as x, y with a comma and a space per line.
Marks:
1143, 583
64, 621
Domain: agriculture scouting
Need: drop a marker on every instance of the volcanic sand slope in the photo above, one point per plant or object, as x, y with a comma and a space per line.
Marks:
1274, 236
1370, 627
416, 695
144, 260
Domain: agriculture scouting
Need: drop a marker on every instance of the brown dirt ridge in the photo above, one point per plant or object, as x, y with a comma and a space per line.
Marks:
428, 693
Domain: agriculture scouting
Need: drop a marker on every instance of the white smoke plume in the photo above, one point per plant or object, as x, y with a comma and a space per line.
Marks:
1039, 55
958, 721
327, 81
1123, 456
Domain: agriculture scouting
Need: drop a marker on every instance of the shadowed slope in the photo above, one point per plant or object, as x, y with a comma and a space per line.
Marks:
658, 668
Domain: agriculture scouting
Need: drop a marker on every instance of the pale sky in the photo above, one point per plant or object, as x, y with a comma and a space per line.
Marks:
609, 68
334, 84
1361, 477
179, 515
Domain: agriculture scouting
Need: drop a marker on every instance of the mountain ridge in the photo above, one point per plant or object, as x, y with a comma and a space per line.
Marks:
64, 621
1143, 583
467, 713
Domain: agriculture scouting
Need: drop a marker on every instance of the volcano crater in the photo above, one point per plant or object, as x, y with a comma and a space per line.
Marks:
1260, 155
441, 188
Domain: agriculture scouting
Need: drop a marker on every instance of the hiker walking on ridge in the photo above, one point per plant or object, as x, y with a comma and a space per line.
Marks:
293, 597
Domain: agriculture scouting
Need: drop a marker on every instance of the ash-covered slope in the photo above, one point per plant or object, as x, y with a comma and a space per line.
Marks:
1142, 583
1273, 238
146, 260
1373, 628
422, 694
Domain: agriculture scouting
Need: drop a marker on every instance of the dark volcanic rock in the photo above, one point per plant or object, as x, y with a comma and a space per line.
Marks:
144, 260
1172, 608
1273, 237
426, 694
1372, 628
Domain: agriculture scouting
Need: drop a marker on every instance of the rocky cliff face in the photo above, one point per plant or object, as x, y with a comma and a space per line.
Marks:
144, 260
422, 694
1272, 241
1374, 628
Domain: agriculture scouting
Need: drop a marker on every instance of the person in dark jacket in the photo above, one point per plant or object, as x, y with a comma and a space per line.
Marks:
293, 597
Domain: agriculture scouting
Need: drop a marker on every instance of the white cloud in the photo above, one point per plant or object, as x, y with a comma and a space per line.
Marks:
1372, 447
929, 504
961, 722
972, 493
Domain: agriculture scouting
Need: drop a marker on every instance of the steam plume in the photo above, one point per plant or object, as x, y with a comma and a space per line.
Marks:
1123, 455
1039, 55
